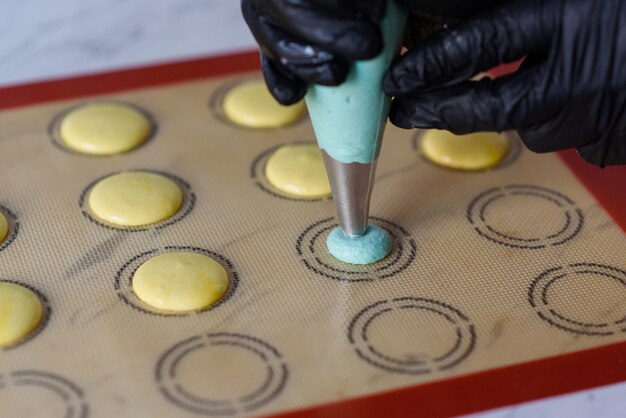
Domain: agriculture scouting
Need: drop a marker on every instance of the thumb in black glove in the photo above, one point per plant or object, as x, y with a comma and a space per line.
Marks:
570, 91
312, 41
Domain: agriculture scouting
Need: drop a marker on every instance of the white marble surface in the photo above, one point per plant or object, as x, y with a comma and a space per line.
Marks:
44, 39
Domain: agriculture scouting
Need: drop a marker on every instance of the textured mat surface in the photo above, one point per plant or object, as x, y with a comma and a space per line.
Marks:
489, 269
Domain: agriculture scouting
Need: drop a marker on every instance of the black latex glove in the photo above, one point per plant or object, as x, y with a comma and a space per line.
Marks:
312, 41
451, 8
570, 91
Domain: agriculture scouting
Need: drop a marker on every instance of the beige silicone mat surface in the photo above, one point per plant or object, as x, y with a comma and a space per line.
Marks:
489, 269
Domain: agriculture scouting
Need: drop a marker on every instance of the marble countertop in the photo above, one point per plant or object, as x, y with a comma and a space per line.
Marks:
43, 39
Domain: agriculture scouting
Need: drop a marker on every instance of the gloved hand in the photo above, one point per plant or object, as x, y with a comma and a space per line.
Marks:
449, 8
569, 92
313, 41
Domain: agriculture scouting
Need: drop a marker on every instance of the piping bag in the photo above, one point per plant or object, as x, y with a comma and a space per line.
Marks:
349, 121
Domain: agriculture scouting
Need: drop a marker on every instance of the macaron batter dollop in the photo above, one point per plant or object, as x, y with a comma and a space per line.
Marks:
374, 245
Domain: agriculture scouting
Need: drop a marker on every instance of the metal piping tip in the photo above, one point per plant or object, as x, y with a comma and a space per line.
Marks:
351, 185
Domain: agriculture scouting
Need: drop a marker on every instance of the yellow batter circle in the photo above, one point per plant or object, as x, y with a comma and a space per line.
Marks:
21, 313
104, 128
180, 282
4, 227
251, 105
298, 170
9, 227
477, 151
135, 198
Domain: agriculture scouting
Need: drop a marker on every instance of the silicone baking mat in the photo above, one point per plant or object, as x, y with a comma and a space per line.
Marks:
504, 285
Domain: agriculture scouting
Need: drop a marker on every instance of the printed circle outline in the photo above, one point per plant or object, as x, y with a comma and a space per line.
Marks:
366, 350
69, 392
174, 392
537, 297
573, 216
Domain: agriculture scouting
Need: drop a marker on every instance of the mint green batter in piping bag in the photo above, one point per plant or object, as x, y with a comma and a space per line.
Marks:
349, 122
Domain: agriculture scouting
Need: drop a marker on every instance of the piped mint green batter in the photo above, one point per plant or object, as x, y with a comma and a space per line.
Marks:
368, 248
349, 120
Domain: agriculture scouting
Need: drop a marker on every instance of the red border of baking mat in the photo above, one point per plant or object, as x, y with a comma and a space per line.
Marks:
460, 395
129, 79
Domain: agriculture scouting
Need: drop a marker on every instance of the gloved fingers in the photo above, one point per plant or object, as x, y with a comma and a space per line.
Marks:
477, 44
455, 8
286, 88
310, 64
280, 45
331, 73
335, 28
420, 26
605, 151
547, 126
473, 106
289, 55
543, 137
555, 132
288, 83
373, 10
461, 109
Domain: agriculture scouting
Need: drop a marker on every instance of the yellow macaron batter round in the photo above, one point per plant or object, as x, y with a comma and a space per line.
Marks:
180, 281
250, 104
298, 170
135, 198
4, 227
476, 151
104, 128
21, 312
